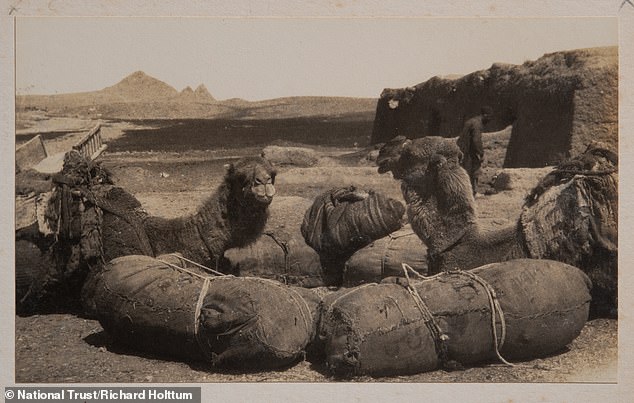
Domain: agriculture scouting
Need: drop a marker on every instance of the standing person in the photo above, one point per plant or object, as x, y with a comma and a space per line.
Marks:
470, 143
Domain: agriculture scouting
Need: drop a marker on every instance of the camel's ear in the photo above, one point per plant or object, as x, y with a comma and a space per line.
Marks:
230, 169
400, 139
263, 154
407, 149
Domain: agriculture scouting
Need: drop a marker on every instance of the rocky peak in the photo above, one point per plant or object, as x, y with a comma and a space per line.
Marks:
139, 85
203, 94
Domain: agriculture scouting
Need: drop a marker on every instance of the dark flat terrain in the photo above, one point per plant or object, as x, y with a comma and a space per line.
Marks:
200, 134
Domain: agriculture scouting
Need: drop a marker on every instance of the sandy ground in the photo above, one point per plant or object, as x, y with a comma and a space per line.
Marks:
62, 348
65, 347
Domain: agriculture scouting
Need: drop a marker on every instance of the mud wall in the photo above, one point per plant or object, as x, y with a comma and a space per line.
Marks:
596, 107
556, 104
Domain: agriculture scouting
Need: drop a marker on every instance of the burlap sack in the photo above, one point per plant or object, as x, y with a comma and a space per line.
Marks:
228, 321
392, 329
384, 258
344, 220
283, 258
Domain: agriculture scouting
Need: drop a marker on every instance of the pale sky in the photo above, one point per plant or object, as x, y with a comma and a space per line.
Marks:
263, 58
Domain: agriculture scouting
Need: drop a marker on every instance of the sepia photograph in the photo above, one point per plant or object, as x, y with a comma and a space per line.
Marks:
376, 200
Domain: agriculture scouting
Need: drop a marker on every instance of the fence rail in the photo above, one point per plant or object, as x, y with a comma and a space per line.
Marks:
91, 145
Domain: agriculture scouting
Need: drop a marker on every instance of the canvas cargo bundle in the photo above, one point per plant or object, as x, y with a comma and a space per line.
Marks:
283, 258
31, 271
33, 240
520, 309
60, 231
229, 321
343, 220
384, 257
313, 298
572, 216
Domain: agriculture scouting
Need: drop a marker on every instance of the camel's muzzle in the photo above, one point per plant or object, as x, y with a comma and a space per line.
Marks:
264, 192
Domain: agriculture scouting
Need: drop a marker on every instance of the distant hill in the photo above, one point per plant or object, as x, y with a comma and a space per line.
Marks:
140, 96
136, 87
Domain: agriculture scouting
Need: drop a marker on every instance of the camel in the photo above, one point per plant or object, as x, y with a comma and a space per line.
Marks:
89, 221
233, 216
578, 228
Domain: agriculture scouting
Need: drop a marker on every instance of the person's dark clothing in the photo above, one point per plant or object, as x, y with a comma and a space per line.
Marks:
470, 143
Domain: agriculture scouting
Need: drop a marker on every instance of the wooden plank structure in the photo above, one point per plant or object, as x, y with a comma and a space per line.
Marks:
91, 145
30, 153
33, 154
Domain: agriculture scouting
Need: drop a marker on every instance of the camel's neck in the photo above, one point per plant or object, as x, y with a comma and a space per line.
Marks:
442, 212
441, 209
244, 219
479, 248
226, 221
222, 222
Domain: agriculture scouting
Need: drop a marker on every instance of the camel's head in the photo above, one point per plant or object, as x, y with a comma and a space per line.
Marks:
402, 156
389, 158
254, 179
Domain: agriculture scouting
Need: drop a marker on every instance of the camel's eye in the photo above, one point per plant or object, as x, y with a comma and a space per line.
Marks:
264, 181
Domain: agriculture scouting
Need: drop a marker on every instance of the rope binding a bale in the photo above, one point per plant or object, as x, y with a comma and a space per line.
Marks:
384, 255
184, 259
204, 347
496, 310
439, 337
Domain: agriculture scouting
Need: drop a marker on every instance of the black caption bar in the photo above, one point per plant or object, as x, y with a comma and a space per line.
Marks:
102, 394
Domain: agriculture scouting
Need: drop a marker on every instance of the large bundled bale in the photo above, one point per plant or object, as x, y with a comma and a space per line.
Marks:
384, 258
313, 298
572, 216
280, 253
285, 259
396, 329
27, 256
31, 275
33, 247
228, 321
343, 220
